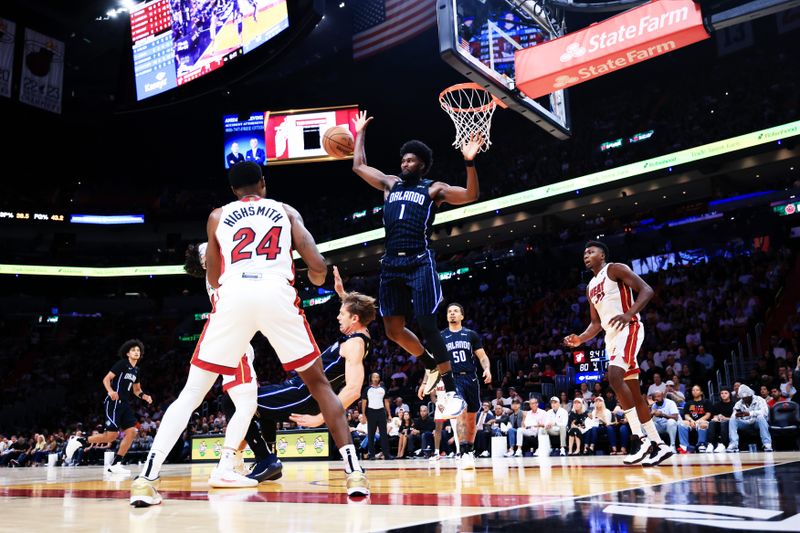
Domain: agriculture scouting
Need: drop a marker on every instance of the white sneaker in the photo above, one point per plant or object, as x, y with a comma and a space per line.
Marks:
485, 454
118, 469
468, 461
229, 479
768, 447
435, 457
518, 453
644, 451
563, 452
508, 454
710, 448
661, 453
453, 405
541, 452
720, 448
451, 455
432, 377
732, 448
238, 464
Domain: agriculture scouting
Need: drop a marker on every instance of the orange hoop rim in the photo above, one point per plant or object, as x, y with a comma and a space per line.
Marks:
495, 101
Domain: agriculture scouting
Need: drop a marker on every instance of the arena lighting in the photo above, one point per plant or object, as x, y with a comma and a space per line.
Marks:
739, 197
106, 219
690, 155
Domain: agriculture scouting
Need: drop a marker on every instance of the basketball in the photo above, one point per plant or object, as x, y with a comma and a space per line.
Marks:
338, 142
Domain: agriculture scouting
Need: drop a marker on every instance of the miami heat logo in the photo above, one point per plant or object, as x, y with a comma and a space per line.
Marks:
281, 445
597, 293
300, 445
318, 444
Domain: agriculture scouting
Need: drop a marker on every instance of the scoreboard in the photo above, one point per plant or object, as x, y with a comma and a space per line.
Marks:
590, 365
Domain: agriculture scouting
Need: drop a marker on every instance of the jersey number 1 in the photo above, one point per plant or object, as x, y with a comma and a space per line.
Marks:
267, 247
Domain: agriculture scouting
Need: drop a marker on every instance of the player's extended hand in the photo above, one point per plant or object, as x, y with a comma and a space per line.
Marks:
147, 398
620, 321
487, 376
361, 121
572, 340
338, 285
307, 421
113, 395
471, 146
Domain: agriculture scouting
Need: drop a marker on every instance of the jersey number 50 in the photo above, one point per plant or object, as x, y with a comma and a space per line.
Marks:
459, 356
267, 247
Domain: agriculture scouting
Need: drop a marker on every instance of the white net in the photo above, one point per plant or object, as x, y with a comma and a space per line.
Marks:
470, 108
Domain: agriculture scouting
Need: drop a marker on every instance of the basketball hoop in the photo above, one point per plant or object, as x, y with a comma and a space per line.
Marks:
470, 107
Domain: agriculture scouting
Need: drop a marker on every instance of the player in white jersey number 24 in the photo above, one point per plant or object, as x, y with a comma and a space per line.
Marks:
249, 262
612, 308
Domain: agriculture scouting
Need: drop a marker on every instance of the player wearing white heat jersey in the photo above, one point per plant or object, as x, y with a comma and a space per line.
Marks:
249, 263
613, 309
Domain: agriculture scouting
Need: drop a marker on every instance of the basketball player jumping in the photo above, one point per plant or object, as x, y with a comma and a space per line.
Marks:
409, 282
614, 310
120, 382
249, 261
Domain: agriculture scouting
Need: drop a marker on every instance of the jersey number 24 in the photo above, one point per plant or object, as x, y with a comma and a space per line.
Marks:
268, 246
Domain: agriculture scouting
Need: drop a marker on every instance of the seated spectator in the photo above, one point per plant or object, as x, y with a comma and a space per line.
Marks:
619, 432
721, 413
533, 422
359, 434
674, 394
748, 413
512, 428
483, 429
577, 427
657, 385
787, 386
600, 419
556, 423
586, 394
611, 399
696, 414
665, 416
399, 404
704, 358
499, 399
422, 434
406, 425
40, 456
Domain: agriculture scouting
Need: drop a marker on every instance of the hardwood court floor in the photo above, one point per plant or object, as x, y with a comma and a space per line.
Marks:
501, 494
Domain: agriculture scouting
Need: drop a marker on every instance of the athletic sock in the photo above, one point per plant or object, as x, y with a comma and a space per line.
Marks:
633, 421
651, 431
350, 458
427, 360
449, 382
152, 467
117, 459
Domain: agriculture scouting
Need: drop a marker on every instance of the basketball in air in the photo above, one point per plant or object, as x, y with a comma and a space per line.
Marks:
338, 142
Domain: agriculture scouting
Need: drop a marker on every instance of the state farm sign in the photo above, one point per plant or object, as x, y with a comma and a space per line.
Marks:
637, 35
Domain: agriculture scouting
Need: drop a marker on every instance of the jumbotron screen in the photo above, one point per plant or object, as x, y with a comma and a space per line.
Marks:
283, 137
176, 41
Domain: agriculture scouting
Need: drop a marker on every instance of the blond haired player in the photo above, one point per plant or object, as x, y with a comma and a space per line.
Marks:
613, 309
249, 262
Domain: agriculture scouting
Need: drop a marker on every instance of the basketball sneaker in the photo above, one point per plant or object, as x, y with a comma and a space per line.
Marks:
74, 444
432, 378
357, 484
453, 405
468, 461
268, 469
220, 478
118, 469
144, 492
644, 450
661, 452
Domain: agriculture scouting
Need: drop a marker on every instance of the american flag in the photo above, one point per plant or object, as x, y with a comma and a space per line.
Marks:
381, 24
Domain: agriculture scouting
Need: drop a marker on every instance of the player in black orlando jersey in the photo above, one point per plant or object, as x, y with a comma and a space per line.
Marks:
409, 282
121, 382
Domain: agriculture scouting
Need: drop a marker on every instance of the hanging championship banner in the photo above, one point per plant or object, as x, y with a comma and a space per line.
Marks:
42, 72
7, 34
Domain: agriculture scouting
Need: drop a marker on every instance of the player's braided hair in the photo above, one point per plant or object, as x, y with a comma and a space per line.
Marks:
421, 150
127, 345
192, 264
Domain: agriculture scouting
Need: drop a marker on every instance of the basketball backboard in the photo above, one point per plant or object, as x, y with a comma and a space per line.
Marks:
479, 37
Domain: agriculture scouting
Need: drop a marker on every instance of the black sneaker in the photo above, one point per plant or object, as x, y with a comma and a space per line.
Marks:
268, 469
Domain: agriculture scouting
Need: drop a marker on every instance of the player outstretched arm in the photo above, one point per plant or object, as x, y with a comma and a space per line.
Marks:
338, 285
590, 332
353, 352
454, 195
371, 175
303, 242
213, 260
644, 292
